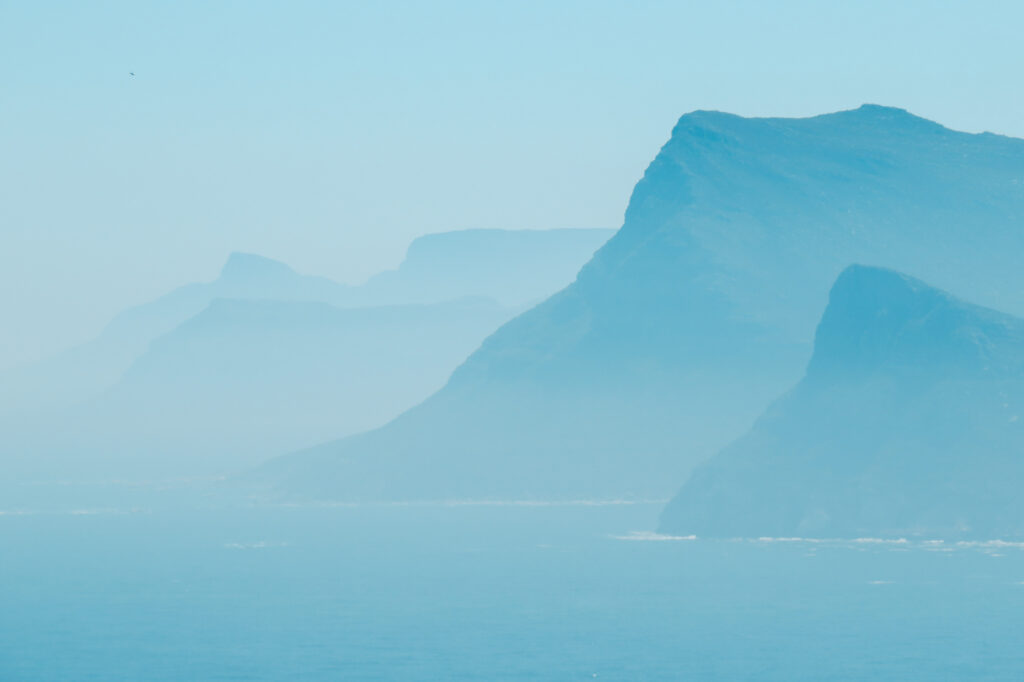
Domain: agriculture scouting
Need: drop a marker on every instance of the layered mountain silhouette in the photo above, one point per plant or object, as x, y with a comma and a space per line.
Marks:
87, 370
527, 265
698, 312
264, 360
907, 423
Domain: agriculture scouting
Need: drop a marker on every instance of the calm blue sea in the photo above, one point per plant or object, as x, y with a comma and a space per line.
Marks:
487, 592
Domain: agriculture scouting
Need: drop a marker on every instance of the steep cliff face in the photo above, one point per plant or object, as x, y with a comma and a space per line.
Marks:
700, 310
908, 422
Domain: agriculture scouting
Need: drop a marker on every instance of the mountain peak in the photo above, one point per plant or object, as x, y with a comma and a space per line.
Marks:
701, 122
869, 109
248, 266
884, 118
877, 317
861, 285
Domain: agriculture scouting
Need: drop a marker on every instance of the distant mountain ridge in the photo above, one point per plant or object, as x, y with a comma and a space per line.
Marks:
88, 369
216, 376
512, 267
532, 264
907, 423
698, 312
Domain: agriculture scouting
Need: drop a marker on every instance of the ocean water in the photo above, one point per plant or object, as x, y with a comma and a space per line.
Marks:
486, 592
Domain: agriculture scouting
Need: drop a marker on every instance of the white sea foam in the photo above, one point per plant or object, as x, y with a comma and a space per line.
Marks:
990, 547
990, 544
648, 536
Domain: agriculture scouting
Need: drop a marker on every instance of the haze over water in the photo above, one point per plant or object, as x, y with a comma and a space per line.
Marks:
544, 341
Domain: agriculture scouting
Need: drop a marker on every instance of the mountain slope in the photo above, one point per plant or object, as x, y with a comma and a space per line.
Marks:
247, 379
908, 422
699, 311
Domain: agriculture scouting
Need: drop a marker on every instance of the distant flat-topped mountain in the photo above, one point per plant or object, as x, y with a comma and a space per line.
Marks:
699, 311
514, 267
909, 421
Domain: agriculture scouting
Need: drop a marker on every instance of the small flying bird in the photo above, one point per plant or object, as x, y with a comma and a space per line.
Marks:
131, 73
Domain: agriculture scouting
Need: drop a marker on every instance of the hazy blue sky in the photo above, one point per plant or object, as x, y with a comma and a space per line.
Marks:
328, 134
